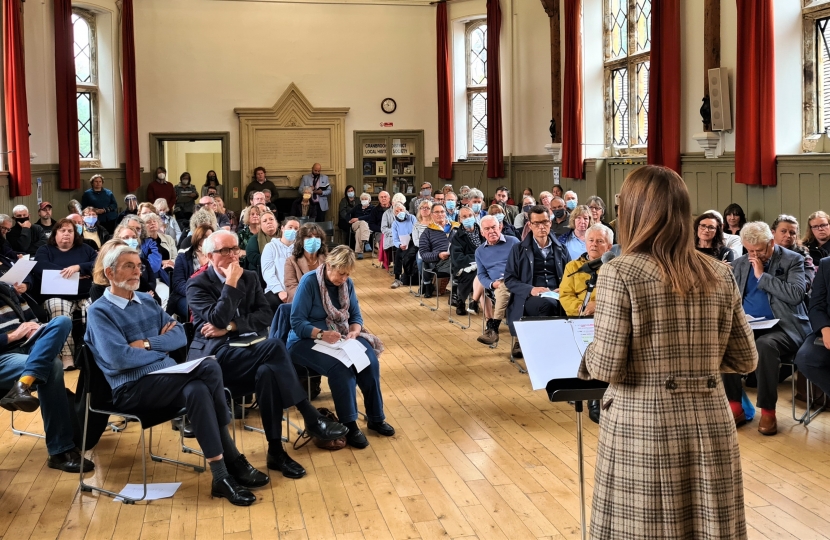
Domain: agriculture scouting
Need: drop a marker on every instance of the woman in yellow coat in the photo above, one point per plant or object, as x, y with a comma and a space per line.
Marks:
573, 287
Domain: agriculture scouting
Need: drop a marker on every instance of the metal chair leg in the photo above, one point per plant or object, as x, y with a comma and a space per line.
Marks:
154, 457
513, 360
22, 432
450, 318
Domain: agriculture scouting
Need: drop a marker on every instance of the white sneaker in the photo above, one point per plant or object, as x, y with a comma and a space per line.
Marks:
395, 284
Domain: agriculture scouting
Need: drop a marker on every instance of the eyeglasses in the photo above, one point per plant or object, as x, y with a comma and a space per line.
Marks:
709, 228
821, 227
4, 230
542, 224
227, 251
595, 207
132, 266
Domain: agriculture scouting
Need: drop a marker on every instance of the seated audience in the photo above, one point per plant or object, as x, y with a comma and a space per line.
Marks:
162, 188
527, 192
506, 228
534, 267
270, 203
309, 253
735, 219
226, 216
362, 213
94, 234
66, 252
131, 337
477, 203
256, 198
574, 240
250, 225
171, 226
771, 281
186, 195
23, 236
274, 256
344, 211
709, 238
303, 206
228, 302
597, 207
463, 247
326, 308
451, 204
424, 195
502, 198
268, 230
813, 358
130, 207
164, 244
45, 220
785, 234
102, 201
27, 367
402, 229
438, 196
571, 200
528, 202
380, 222
560, 223
464, 191
574, 285
816, 238
434, 248
386, 222
209, 204
202, 216
545, 198
187, 262
212, 182
124, 236
491, 259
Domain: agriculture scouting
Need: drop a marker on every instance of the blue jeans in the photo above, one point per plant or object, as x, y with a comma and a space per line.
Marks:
40, 360
344, 380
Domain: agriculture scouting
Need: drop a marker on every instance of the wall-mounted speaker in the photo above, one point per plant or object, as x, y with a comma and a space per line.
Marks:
720, 99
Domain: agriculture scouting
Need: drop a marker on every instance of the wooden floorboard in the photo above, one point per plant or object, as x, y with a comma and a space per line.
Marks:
477, 454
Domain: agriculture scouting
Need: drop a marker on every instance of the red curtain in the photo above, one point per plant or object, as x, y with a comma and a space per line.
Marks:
664, 85
445, 135
66, 97
495, 146
131, 157
572, 95
14, 88
755, 95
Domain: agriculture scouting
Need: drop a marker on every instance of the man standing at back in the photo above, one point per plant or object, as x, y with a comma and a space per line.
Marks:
320, 189
501, 197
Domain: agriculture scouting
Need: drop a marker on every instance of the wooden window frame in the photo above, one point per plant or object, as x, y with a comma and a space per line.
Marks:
471, 89
91, 88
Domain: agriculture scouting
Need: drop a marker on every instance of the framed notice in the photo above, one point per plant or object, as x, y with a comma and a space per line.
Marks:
380, 168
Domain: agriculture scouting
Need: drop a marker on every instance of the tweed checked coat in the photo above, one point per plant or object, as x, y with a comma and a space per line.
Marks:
668, 465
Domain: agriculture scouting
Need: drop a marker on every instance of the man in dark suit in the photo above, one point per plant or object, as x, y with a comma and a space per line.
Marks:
813, 358
229, 307
772, 285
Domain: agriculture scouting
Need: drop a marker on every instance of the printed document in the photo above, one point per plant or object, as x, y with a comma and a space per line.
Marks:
350, 352
553, 349
18, 272
53, 283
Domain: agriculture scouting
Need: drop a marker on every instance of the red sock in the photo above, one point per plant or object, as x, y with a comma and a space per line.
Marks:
736, 407
768, 412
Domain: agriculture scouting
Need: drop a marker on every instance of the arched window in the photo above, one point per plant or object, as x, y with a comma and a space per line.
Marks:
86, 77
476, 54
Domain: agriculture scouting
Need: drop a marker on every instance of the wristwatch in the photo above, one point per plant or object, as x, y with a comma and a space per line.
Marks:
319, 335
229, 328
147, 344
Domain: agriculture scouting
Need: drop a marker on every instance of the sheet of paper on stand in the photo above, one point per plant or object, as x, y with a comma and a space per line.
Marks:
184, 367
545, 362
405, 240
53, 283
18, 272
763, 324
154, 491
550, 294
350, 352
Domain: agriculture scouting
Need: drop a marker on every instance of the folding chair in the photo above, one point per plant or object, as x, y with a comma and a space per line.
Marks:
460, 324
20, 431
808, 416
424, 271
100, 401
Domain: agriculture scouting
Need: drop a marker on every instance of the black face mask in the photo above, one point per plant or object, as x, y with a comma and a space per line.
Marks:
559, 214
21, 219
211, 179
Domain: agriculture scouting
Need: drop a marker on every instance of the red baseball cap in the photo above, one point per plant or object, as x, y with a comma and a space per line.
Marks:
44, 204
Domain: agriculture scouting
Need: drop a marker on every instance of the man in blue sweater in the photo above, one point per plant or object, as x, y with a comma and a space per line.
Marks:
491, 258
131, 337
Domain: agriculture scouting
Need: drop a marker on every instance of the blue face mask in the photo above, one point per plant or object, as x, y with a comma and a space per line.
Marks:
289, 234
449, 205
526, 208
499, 217
476, 207
350, 194
401, 216
311, 245
80, 229
571, 204
90, 221
132, 242
468, 223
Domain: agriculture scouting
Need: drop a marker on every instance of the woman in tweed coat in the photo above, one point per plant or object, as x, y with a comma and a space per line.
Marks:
668, 321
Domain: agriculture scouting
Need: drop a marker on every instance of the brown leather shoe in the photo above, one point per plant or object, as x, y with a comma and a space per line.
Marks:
740, 419
768, 425
20, 398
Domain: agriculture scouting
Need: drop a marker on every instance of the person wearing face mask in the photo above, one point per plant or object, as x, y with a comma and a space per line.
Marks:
274, 257
571, 201
405, 253
308, 254
320, 189
520, 222
361, 214
161, 188
462, 260
212, 183
505, 227
502, 198
304, 206
24, 237
103, 201
94, 235
386, 221
171, 226
130, 207
561, 217
451, 204
424, 195
186, 195
477, 204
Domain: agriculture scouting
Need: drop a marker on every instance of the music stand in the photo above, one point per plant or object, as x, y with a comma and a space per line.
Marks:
575, 391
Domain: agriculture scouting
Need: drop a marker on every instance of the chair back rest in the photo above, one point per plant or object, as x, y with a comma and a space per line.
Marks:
95, 383
281, 325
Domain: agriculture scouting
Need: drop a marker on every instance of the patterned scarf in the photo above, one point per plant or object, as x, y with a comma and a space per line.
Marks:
339, 318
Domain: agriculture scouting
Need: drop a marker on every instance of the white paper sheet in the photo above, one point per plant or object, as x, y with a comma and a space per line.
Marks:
349, 352
763, 324
405, 238
154, 491
184, 367
18, 272
53, 283
553, 349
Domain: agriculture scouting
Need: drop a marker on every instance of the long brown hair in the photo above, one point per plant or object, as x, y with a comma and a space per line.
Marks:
655, 219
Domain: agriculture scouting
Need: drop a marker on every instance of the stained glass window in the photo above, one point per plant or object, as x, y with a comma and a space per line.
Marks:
83, 23
823, 73
476, 48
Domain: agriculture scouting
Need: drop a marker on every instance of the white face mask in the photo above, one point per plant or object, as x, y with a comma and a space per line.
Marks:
364, 202
162, 176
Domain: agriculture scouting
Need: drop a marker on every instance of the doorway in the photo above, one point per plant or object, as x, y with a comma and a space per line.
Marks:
196, 153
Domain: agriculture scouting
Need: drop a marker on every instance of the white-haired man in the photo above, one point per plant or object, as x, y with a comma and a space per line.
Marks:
772, 285
476, 198
23, 236
571, 200
491, 258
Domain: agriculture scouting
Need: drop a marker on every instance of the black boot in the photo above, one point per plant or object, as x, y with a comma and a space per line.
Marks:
593, 410
427, 290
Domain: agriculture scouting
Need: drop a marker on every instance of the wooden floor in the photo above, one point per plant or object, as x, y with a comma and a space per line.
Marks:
476, 454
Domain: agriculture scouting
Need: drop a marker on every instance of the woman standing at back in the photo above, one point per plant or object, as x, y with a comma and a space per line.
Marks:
668, 322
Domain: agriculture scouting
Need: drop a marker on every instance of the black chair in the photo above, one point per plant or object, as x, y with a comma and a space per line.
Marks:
100, 401
328, 228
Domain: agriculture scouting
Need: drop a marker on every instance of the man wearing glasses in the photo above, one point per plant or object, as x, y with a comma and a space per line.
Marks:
818, 235
231, 317
534, 268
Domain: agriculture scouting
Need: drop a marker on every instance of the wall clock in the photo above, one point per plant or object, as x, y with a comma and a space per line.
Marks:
388, 105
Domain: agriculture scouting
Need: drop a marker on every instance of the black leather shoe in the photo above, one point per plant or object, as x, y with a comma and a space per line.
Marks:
187, 430
229, 489
382, 428
357, 439
245, 474
69, 462
286, 465
593, 411
326, 430
20, 398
